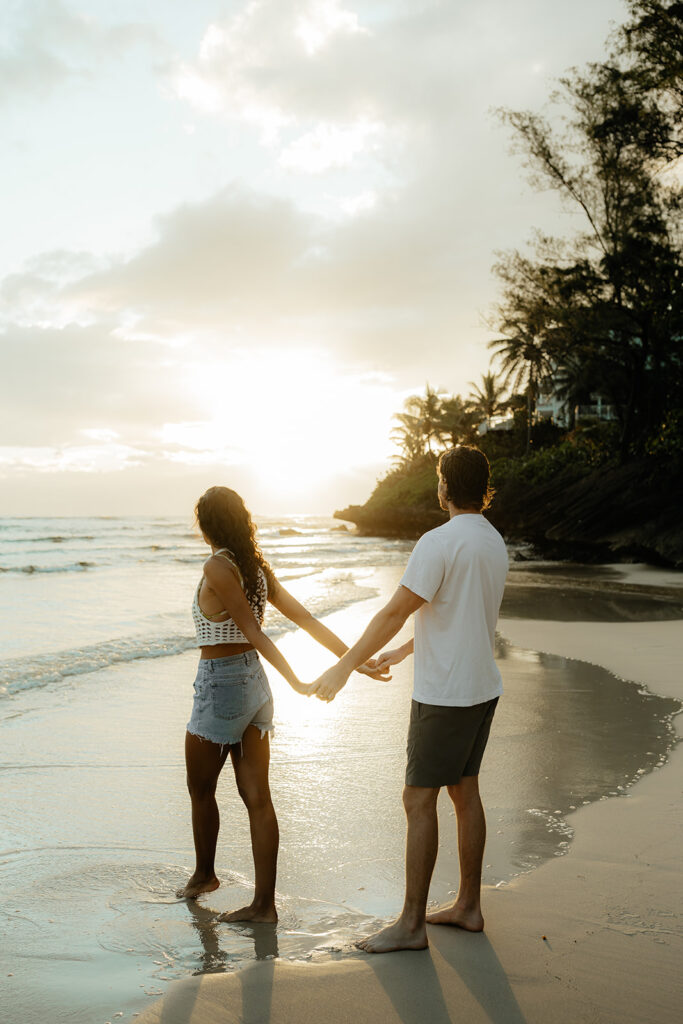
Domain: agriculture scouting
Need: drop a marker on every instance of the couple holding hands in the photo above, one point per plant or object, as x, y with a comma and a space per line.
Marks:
453, 583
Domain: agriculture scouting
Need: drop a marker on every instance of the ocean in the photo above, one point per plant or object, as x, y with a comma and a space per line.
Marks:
78, 595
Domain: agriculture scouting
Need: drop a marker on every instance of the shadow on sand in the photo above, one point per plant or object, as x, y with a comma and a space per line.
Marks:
431, 986
180, 1001
454, 958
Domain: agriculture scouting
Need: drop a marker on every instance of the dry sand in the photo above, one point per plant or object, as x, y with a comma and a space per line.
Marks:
591, 937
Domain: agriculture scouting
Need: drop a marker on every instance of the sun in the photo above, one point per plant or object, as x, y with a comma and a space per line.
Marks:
296, 415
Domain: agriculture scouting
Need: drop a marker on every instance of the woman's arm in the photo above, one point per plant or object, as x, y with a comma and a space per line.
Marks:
387, 658
223, 580
300, 616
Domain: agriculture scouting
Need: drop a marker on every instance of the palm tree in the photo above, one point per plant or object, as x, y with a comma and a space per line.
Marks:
427, 411
458, 421
525, 360
408, 436
574, 380
487, 396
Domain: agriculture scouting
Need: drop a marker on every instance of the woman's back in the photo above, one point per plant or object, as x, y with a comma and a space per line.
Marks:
213, 624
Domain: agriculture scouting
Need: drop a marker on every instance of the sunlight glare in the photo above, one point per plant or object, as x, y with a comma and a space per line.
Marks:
301, 416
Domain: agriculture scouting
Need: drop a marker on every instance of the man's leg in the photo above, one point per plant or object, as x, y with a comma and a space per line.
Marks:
465, 912
410, 932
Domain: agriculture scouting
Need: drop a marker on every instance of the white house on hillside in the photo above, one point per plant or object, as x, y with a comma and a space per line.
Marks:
550, 407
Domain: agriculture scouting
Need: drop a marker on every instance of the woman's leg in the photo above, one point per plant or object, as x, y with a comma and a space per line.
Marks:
204, 761
250, 761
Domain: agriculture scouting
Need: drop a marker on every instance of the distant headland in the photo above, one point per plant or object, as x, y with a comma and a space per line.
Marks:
563, 501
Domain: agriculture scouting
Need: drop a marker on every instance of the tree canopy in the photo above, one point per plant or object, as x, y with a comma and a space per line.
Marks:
603, 310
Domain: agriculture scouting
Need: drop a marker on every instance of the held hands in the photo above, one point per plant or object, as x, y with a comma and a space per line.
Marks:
387, 658
328, 685
305, 689
373, 669
331, 682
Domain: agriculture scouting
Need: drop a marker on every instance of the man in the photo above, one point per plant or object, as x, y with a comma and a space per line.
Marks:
454, 583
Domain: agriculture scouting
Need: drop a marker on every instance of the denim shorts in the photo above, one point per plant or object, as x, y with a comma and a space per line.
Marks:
229, 695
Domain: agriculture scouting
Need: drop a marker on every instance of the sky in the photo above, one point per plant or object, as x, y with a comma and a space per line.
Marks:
237, 235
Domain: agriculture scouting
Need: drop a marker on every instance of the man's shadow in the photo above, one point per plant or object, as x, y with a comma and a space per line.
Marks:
417, 992
475, 961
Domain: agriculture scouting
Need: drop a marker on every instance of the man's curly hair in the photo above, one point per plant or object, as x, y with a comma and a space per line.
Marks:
466, 473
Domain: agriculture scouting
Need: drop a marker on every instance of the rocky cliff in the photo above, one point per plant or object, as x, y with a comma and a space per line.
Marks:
630, 512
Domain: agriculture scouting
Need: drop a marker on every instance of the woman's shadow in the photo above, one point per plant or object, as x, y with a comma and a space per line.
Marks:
256, 999
214, 959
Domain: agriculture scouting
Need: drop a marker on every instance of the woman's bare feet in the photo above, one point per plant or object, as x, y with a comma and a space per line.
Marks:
396, 936
458, 917
254, 913
197, 885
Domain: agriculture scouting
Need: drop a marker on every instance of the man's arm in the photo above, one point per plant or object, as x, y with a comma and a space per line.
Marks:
382, 628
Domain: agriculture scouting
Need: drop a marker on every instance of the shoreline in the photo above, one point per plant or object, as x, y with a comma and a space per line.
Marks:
592, 936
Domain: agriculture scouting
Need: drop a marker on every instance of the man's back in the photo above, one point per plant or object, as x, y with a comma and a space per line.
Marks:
459, 569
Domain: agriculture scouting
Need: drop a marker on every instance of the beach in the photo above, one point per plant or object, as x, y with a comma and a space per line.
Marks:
581, 783
594, 936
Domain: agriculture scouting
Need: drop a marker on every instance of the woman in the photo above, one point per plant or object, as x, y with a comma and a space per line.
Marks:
232, 711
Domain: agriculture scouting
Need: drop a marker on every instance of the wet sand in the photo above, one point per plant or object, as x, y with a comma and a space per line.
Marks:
594, 936
96, 838
564, 592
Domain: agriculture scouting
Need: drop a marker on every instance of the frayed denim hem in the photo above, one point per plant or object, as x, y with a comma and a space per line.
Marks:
231, 743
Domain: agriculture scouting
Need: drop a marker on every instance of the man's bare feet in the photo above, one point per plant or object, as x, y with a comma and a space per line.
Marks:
253, 913
458, 917
396, 936
197, 885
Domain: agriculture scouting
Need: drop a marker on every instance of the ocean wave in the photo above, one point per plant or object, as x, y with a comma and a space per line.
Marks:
54, 539
30, 569
19, 674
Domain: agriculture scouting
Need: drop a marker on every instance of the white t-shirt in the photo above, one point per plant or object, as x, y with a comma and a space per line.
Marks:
459, 569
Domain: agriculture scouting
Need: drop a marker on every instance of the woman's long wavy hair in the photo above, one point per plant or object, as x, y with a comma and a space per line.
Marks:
224, 520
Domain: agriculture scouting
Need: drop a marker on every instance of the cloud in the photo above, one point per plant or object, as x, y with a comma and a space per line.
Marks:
57, 383
245, 269
217, 264
49, 45
247, 62
418, 63
330, 145
401, 277
320, 21
105, 457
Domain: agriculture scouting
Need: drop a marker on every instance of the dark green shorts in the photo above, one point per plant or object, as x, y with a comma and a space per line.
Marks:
446, 743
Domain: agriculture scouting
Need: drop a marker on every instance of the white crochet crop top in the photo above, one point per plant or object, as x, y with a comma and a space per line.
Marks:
210, 633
